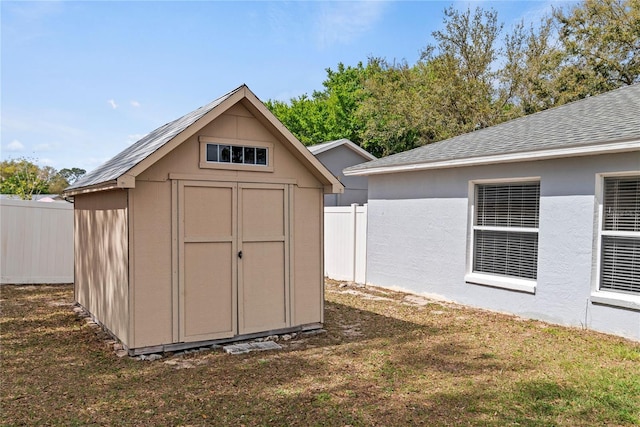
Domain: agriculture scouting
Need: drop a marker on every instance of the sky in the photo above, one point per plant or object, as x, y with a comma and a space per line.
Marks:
82, 80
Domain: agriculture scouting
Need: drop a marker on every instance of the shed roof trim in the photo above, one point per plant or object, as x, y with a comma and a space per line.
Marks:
609, 122
138, 157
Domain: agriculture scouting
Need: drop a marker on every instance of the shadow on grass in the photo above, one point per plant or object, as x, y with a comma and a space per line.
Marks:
368, 369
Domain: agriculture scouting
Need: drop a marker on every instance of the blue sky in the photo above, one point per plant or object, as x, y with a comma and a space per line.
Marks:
82, 80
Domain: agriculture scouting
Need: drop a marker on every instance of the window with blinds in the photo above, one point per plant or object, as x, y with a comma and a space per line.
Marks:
505, 240
620, 235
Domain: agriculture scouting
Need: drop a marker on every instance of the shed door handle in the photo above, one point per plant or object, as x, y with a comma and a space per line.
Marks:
240, 254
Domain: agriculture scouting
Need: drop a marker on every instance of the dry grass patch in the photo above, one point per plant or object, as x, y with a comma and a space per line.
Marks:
387, 359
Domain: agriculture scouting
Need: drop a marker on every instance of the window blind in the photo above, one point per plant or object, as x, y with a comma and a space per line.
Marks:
622, 204
508, 205
498, 250
620, 250
506, 253
620, 264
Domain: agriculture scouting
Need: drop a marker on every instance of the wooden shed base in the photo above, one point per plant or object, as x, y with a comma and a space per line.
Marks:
84, 313
198, 344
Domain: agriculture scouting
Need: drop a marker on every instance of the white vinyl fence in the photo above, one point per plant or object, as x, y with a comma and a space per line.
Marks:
37, 242
345, 243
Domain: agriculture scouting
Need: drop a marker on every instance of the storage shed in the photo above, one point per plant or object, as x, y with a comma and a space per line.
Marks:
208, 229
336, 156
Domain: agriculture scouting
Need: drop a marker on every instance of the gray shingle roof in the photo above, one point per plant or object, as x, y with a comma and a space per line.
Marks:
134, 154
325, 146
322, 146
609, 117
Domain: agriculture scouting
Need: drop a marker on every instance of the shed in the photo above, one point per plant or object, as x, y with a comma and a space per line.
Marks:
538, 216
336, 156
208, 229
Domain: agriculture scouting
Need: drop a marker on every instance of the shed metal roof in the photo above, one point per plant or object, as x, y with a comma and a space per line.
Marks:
611, 118
121, 170
147, 145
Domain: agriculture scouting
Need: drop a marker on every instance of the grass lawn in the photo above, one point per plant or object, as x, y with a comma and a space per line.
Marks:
386, 359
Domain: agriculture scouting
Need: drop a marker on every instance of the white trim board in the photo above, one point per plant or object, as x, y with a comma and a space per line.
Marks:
608, 148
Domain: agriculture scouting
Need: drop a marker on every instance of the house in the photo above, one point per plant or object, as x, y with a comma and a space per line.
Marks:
208, 229
538, 216
336, 156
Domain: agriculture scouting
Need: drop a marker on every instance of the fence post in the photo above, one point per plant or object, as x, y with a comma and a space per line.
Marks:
354, 240
361, 247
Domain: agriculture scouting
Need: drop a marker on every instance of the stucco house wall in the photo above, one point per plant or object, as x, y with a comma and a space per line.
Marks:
355, 187
336, 156
419, 231
537, 216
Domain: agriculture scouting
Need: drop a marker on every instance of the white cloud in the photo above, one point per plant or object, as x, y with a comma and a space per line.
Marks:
135, 104
343, 22
15, 145
112, 103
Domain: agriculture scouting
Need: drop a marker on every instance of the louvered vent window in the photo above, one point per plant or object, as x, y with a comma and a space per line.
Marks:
506, 229
620, 247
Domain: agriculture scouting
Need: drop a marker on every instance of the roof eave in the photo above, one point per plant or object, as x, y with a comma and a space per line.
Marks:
588, 150
103, 186
349, 144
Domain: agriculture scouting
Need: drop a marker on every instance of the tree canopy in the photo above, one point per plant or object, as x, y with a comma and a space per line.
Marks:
474, 76
24, 178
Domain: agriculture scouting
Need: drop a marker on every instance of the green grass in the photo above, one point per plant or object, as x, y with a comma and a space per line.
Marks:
381, 362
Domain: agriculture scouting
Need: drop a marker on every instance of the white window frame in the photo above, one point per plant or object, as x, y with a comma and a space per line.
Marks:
204, 164
608, 297
503, 282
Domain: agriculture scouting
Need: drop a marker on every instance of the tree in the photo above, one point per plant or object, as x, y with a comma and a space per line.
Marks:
25, 179
452, 89
328, 114
22, 178
601, 39
466, 81
305, 117
63, 178
395, 112
588, 49
71, 175
532, 60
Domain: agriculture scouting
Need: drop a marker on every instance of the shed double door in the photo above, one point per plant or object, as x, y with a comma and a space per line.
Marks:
233, 259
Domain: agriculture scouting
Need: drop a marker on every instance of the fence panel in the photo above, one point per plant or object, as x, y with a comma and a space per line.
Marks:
37, 242
345, 243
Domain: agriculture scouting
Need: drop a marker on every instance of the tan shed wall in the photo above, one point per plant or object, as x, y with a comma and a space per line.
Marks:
155, 316
307, 256
150, 204
101, 258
